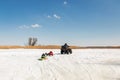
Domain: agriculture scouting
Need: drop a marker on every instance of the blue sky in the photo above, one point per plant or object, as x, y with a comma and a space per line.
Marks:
76, 22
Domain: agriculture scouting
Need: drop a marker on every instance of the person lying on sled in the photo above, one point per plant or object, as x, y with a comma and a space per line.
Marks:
43, 56
50, 53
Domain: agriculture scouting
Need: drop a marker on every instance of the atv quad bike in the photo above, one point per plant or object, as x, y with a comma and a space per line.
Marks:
65, 50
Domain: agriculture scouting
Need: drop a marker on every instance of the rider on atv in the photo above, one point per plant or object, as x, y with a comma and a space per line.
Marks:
66, 46
65, 49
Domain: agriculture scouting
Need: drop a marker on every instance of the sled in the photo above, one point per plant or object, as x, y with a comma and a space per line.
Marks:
42, 59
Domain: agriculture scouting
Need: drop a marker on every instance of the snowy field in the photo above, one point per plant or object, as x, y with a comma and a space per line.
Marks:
83, 64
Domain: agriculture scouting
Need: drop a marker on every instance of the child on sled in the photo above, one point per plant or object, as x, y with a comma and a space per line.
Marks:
43, 56
50, 53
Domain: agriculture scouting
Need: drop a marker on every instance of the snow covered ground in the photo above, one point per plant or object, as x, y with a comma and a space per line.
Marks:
83, 64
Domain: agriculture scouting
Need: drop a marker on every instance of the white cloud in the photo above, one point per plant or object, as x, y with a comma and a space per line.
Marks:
65, 2
30, 26
24, 27
35, 25
49, 16
53, 16
56, 16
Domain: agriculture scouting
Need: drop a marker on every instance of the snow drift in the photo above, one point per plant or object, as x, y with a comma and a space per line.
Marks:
83, 64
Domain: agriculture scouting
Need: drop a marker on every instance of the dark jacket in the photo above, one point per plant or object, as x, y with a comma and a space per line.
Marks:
66, 46
43, 55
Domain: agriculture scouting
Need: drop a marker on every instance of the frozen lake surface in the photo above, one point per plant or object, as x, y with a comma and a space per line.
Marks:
83, 64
